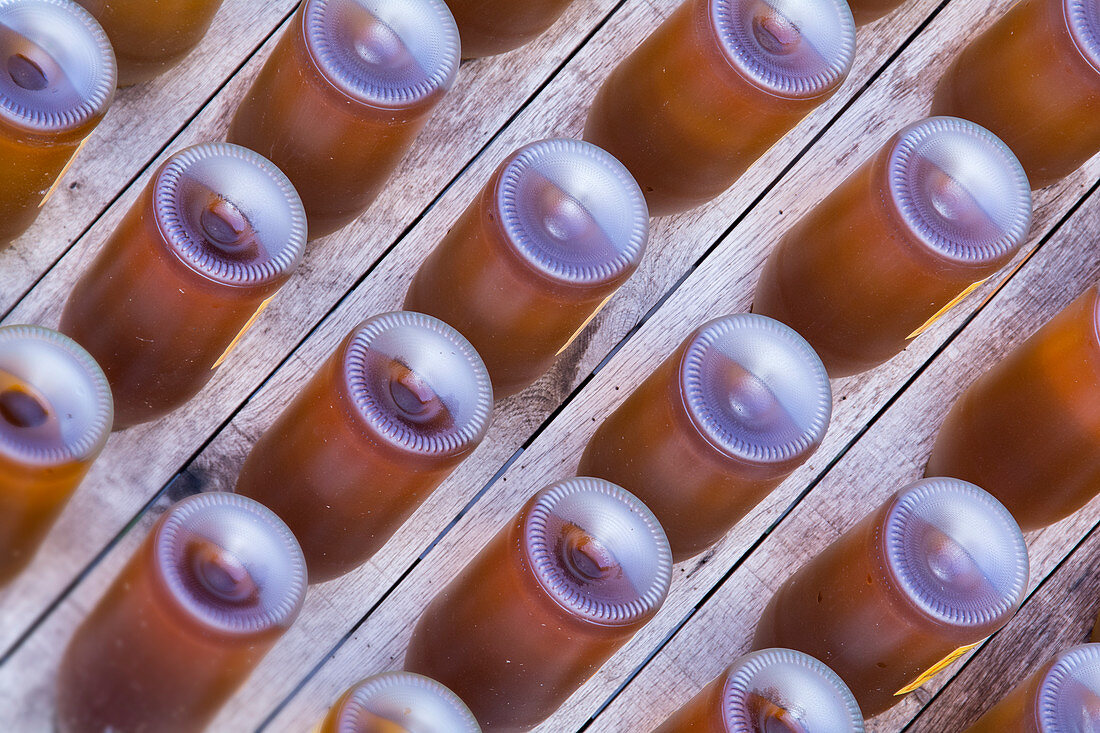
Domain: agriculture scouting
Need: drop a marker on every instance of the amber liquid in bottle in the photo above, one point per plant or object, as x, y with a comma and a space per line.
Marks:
396, 702
714, 87
770, 691
866, 11
402, 401
580, 569
55, 416
208, 243
938, 210
151, 37
558, 229
489, 27
737, 407
1062, 695
935, 570
209, 592
57, 78
1033, 79
1028, 430
345, 92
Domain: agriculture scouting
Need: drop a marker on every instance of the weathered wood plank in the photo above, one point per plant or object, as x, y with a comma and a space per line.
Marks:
892, 453
142, 119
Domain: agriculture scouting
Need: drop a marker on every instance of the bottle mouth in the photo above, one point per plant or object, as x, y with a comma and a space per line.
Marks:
230, 214
793, 48
1083, 19
959, 189
1069, 693
786, 691
598, 551
956, 552
57, 68
573, 212
55, 402
384, 52
408, 702
231, 564
418, 383
756, 389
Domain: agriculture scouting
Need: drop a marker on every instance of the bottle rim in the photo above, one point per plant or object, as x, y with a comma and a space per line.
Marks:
258, 188
760, 345
443, 349
97, 405
589, 185
412, 693
1057, 703
1083, 20
99, 88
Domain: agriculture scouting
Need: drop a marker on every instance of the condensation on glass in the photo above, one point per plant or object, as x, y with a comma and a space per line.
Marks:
55, 416
581, 568
770, 691
489, 27
401, 402
914, 585
216, 583
733, 411
1028, 430
343, 95
557, 230
57, 78
151, 36
1062, 695
211, 239
714, 87
399, 702
1033, 79
935, 212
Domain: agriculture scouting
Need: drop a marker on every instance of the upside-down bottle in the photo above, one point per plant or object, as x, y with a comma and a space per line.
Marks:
1062, 695
579, 570
55, 416
1033, 79
400, 403
913, 586
937, 211
151, 37
714, 87
216, 583
866, 11
558, 229
57, 78
343, 95
1028, 430
489, 27
209, 242
770, 691
399, 702
738, 406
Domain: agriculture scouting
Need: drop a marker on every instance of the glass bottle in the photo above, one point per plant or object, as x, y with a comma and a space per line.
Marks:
867, 11
343, 95
579, 570
938, 210
151, 37
399, 702
209, 242
57, 78
1033, 420
913, 586
496, 26
738, 406
558, 229
55, 416
400, 403
1062, 695
1033, 79
770, 691
211, 589
714, 87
